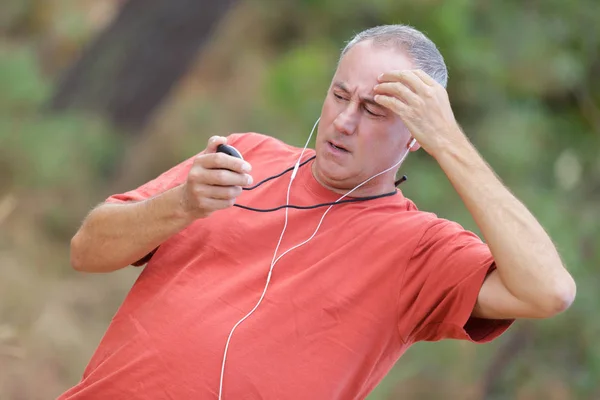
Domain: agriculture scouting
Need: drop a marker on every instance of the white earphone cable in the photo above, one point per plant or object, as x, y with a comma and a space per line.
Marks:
276, 259
273, 261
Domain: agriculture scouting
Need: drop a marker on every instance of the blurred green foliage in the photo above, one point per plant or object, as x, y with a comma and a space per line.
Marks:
524, 87
46, 149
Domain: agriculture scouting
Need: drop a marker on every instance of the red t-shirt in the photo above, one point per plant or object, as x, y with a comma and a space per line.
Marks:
339, 312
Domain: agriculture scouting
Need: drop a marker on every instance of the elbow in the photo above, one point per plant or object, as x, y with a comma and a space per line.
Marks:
86, 257
560, 298
566, 295
77, 254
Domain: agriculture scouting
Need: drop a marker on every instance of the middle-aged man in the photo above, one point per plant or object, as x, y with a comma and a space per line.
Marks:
312, 283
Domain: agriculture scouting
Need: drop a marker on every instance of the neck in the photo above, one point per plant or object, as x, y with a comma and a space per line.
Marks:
381, 185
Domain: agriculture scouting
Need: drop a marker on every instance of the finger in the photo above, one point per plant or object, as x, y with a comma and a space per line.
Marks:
217, 192
396, 89
425, 77
208, 204
219, 177
407, 77
390, 102
213, 143
223, 161
223, 177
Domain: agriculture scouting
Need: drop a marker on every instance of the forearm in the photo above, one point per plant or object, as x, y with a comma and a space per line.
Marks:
526, 259
115, 235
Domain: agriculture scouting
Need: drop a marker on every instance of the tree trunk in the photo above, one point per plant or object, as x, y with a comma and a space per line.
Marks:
128, 70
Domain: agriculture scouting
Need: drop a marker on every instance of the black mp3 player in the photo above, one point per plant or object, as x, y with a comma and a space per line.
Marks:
229, 150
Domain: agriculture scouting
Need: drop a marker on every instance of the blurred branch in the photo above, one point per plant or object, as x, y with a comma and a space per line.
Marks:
506, 354
12, 352
589, 110
128, 70
7, 205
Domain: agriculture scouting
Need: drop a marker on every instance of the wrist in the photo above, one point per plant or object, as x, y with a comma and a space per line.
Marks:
183, 211
455, 147
464, 166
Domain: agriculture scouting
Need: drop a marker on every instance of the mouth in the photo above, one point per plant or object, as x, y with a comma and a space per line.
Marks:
338, 147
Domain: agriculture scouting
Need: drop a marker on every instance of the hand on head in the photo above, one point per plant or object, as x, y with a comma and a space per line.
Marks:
422, 104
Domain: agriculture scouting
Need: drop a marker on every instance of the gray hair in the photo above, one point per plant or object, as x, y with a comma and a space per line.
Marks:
423, 52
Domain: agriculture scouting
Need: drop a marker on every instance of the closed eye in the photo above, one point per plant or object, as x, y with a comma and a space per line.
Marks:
339, 97
371, 112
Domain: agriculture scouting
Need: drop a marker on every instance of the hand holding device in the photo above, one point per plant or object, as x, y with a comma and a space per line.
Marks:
215, 179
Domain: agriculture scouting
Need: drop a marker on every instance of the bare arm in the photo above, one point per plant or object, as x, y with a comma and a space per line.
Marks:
114, 236
530, 280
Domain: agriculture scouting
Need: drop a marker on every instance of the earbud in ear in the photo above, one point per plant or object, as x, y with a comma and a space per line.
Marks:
412, 143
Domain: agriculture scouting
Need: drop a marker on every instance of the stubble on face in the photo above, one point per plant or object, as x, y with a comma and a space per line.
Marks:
357, 138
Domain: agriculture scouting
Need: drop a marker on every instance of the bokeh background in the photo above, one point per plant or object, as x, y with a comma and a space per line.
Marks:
99, 96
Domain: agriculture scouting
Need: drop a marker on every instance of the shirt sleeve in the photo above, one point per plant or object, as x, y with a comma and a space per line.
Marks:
441, 286
165, 181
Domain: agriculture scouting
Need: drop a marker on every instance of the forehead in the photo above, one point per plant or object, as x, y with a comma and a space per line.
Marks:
364, 62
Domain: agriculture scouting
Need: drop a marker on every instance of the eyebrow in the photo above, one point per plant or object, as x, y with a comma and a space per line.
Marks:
364, 99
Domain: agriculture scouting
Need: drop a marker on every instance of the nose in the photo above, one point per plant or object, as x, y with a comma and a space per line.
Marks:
347, 120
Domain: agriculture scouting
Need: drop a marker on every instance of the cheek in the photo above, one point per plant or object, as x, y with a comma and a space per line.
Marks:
329, 111
386, 146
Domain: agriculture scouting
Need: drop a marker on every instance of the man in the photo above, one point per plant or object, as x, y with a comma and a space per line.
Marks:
318, 300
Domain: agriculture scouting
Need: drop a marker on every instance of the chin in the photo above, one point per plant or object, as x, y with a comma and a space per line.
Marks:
332, 174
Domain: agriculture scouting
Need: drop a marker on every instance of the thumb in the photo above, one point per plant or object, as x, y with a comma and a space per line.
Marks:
214, 142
